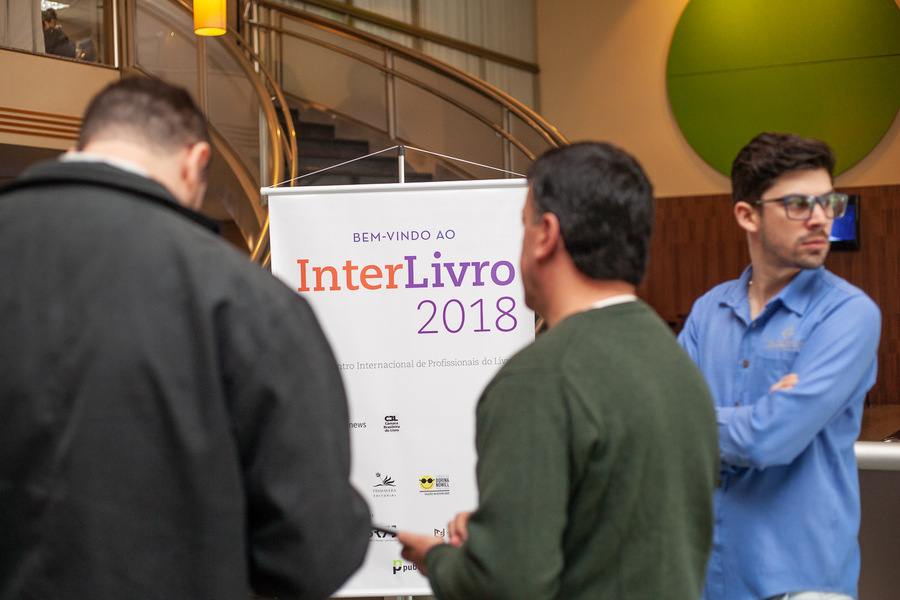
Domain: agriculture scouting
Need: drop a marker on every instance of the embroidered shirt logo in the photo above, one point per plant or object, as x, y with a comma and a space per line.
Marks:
785, 343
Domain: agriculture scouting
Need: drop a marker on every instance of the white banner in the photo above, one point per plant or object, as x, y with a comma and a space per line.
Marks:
418, 290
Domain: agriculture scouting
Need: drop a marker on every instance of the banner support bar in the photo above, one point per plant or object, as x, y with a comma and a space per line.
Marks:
401, 151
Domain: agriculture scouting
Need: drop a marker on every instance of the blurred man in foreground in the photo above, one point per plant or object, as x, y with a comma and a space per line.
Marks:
174, 424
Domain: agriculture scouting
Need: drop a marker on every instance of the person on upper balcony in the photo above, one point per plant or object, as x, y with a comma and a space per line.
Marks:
55, 39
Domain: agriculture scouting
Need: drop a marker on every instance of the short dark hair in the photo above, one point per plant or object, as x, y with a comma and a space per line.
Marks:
604, 204
161, 115
768, 156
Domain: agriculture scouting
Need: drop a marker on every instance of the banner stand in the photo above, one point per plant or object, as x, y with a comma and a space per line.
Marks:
417, 287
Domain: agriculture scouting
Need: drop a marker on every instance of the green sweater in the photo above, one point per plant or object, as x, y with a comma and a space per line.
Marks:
597, 457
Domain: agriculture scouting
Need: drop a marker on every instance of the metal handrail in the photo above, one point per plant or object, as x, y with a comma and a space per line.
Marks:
497, 128
265, 90
352, 12
259, 253
509, 106
275, 89
526, 114
272, 100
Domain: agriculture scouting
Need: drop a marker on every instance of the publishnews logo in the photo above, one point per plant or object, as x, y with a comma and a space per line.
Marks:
399, 567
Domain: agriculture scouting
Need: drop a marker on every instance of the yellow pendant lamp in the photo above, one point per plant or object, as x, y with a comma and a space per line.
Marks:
209, 17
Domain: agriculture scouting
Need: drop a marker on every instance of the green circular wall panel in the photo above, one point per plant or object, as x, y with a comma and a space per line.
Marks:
828, 69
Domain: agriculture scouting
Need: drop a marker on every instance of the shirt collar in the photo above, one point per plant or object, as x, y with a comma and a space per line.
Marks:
119, 163
105, 173
794, 296
613, 300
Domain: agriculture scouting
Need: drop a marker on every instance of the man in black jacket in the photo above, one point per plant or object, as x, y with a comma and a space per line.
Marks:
174, 424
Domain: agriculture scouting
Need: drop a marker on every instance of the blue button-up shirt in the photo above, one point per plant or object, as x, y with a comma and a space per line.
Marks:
787, 508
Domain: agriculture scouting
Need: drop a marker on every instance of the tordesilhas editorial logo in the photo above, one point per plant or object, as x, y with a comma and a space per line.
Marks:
438, 485
385, 487
380, 535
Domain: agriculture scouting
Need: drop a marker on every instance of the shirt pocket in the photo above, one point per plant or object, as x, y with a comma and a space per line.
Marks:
767, 370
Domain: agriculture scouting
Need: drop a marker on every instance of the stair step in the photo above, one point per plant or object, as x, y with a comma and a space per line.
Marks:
375, 165
318, 148
332, 178
331, 148
313, 131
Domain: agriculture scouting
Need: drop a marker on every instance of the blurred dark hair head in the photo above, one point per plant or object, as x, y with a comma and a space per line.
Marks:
162, 116
604, 204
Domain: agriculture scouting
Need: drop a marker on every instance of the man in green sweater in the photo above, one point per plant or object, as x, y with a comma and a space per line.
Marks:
597, 450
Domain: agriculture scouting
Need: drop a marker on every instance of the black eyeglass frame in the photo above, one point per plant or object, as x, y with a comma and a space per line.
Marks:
811, 202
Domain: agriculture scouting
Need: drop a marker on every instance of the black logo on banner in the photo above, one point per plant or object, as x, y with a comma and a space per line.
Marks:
391, 424
385, 488
377, 535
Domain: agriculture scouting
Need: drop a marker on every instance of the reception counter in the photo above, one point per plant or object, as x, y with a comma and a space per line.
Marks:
879, 532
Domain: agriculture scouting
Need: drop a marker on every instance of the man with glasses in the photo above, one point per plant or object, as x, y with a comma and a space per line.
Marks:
789, 352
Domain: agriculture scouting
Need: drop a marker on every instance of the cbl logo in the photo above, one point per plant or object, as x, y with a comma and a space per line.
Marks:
391, 424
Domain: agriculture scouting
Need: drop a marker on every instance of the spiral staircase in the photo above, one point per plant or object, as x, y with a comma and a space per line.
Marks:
295, 98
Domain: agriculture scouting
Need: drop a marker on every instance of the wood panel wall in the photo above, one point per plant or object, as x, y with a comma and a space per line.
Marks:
697, 244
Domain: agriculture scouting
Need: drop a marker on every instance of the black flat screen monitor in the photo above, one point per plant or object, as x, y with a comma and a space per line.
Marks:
845, 231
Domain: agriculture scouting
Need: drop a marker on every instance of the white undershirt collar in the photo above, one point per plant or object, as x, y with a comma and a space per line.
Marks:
119, 163
613, 300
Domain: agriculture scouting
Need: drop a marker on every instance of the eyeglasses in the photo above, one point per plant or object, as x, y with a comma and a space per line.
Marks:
799, 207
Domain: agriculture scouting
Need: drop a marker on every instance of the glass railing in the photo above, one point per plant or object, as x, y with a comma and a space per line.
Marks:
236, 93
426, 26
402, 95
408, 97
62, 28
255, 146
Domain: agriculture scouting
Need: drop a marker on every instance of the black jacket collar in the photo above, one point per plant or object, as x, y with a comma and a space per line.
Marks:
104, 175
